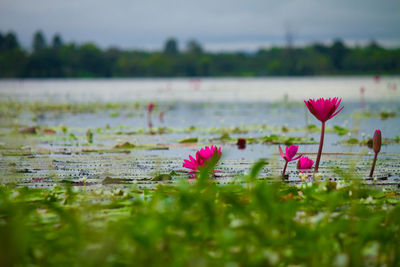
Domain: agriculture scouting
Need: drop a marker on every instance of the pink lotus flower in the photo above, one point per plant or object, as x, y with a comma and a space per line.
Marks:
291, 151
304, 163
290, 154
150, 107
324, 109
203, 157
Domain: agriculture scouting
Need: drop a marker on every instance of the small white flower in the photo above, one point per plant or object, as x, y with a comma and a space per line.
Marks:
369, 200
14, 195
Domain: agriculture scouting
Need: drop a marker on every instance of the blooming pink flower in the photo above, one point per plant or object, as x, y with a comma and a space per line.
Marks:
150, 107
290, 153
304, 163
288, 156
203, 156
324, 109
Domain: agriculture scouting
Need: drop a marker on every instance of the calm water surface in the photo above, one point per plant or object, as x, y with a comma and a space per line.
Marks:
204, 103
201, 90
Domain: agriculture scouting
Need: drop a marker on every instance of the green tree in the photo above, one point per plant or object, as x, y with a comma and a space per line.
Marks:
57, 42
338, 52
194, 47
39, 41
171, 47
8, 42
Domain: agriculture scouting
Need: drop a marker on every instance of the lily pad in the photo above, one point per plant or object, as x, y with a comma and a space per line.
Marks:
189, 140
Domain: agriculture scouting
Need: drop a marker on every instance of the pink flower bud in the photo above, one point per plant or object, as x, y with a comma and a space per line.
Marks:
377, 141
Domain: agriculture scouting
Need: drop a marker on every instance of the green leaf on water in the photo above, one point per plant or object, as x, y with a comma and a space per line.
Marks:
125, 145
189, 140
340, 130
162, 177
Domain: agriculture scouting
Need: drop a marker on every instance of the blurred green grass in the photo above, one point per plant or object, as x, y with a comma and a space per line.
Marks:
248, 222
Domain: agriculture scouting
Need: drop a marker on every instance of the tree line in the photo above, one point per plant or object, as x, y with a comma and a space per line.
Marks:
59, 59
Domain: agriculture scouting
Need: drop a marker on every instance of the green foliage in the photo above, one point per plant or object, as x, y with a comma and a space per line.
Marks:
340, 130
171, 47
87, 60
287, 140
200, 223
89, 136
385, 114
189, 140
39, 41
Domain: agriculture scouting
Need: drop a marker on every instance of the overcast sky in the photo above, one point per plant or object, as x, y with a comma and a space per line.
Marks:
217, 24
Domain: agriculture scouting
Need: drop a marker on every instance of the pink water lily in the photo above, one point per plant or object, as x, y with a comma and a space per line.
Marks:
291, 151
203, 157
290, 154
323, 110
150, 107
304, 163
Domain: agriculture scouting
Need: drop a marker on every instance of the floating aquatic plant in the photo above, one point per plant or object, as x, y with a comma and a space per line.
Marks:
323, 110
376, 145
290, 154
150, 108
203, 157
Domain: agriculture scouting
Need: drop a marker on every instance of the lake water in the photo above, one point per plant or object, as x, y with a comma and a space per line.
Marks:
258, 106
201, 90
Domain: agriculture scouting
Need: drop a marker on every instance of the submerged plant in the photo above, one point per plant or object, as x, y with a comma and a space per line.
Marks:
203, 157
290, 154
304, 163
376, 145
323, 110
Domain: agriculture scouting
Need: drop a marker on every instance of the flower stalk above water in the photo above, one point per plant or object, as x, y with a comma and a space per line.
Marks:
289, 155
203, 157
323, 110
150, 108
376, 145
